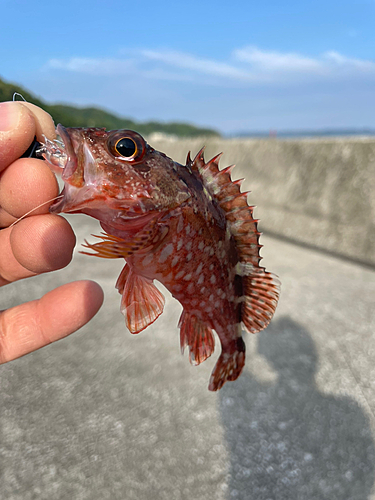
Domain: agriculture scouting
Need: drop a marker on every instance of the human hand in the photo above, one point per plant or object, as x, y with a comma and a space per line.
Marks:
39, 243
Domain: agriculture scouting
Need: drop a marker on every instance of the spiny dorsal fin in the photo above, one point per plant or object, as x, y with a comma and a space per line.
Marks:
198, 163
260, 288
234, 204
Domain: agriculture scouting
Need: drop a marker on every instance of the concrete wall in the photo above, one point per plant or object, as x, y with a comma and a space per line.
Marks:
320, 192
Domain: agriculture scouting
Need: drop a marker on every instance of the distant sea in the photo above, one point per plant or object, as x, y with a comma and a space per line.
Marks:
307, 133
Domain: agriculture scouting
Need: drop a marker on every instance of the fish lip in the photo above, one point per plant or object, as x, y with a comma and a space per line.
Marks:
72, 176
68, 170
71, 163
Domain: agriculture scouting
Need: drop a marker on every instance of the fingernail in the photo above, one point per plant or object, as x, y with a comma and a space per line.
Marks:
9, 116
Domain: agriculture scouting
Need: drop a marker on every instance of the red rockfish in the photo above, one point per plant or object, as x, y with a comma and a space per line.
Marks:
187, 226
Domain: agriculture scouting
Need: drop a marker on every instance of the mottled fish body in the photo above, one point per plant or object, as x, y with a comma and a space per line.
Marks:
187, 226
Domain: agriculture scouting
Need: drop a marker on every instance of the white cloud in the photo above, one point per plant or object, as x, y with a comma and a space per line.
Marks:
196, 64
247, 65
340, 60
327, 64
92, 65
276, 61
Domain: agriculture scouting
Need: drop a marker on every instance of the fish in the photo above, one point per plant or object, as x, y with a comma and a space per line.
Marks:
189, 227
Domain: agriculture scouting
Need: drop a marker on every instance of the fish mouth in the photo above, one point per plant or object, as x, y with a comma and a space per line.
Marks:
62, 159
70, 164
70, 157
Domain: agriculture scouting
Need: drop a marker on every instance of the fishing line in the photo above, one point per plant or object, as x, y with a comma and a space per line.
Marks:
36, 208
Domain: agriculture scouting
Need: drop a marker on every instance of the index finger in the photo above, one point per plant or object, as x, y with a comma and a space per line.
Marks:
44, 125
20, 122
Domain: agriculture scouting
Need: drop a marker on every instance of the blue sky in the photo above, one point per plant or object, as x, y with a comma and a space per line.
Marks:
235, 66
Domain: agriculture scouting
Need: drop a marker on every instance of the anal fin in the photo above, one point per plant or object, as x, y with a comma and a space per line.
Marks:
142, 303
195, 334
121, 280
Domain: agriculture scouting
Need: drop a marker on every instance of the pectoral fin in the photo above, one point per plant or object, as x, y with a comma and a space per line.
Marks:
114, 247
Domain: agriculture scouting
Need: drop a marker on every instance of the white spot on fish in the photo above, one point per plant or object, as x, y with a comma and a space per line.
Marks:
169, 277
179, 275
190, 288
180, 224
199, 268
147, 260
187, 229
213, 279
165, 253
179, 244
211, 267
189, 257
203, 289
244, 268
200, 279
188, 246
201, 245
211, 298
175, 260
212, 251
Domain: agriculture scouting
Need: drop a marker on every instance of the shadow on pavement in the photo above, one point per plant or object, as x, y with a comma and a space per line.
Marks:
287, 440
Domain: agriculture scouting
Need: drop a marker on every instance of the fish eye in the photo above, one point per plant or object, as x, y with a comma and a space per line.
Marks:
126, 145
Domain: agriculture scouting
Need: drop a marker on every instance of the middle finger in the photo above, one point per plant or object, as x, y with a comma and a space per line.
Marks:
37, 244
24, 185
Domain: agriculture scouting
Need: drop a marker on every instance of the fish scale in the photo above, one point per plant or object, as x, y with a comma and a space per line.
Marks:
187, 226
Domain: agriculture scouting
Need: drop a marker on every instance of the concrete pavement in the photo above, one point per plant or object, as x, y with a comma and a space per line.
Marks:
107, 415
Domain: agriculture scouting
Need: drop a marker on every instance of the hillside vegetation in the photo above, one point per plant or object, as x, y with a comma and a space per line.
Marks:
71, 116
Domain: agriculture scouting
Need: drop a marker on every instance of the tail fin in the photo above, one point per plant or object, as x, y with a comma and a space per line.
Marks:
261, 293
229, 365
